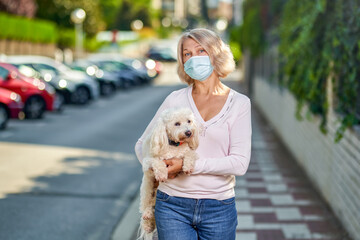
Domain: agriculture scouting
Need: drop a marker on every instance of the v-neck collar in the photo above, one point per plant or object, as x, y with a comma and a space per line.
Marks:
217, 116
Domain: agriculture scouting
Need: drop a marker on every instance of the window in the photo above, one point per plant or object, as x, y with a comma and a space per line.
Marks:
3, 73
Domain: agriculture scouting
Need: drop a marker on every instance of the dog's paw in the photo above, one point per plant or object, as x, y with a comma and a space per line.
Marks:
148, 226
148, 214
161, 176
188, 168
188, 171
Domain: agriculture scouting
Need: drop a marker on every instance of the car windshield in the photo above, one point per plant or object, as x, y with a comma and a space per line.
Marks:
42, 67
3, 73
62, 67
110, 66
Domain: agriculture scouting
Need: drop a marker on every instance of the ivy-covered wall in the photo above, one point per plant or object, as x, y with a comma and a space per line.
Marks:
317, 39
314, 77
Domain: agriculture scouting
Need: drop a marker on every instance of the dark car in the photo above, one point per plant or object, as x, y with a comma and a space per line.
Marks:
161, 54
10, 106
107, 82
126, 78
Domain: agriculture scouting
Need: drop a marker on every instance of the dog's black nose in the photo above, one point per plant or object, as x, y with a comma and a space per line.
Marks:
188, 133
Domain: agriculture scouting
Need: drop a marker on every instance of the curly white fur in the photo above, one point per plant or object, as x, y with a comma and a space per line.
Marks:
177, 125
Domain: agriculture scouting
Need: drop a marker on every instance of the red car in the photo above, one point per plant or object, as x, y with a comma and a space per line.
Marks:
10, 106
35, 94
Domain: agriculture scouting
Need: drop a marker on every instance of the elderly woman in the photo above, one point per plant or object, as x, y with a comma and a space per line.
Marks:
202, 205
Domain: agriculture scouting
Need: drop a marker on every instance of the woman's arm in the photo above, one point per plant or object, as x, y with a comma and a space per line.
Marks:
237, 162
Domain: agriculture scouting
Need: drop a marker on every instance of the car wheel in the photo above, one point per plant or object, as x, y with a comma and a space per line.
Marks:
125, 84
81, 95
60, 101
4, 117
107, 89
34, 107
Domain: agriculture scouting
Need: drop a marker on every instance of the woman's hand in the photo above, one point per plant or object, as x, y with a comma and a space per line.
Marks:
174, 166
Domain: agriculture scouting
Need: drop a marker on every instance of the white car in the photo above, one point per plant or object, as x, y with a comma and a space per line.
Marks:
82, 88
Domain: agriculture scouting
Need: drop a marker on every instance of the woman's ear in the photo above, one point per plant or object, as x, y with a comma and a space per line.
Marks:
159, 139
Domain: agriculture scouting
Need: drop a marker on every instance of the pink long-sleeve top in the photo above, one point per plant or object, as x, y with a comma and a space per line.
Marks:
224, 147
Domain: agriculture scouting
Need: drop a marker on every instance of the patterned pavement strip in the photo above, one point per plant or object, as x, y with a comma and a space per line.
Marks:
275, 200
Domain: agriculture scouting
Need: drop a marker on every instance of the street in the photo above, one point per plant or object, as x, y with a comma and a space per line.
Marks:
73, 174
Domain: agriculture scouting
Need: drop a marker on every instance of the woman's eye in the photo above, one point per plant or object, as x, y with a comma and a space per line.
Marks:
202, 50
177, 124
187, 54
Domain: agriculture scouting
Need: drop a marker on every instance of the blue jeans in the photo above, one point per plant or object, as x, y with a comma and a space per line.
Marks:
180, 218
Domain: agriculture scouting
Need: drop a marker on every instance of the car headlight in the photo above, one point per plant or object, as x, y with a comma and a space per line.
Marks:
62, 83
91, 70
47, 77
150, 64
136, 64
15, 97
99, 74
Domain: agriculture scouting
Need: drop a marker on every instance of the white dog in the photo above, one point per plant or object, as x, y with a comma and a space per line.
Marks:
175, 135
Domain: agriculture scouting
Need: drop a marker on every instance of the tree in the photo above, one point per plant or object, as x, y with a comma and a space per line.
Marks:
132, 10
25, 8
109, 10
59, 11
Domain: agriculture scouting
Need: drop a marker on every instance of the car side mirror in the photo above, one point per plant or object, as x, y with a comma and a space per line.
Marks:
11, 75
8, 77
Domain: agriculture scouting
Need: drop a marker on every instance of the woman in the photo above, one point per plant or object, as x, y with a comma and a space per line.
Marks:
202, 205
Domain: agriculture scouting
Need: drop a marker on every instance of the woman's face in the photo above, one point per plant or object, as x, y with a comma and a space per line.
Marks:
192, 48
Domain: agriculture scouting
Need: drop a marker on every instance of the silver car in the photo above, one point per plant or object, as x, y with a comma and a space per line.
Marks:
81, 87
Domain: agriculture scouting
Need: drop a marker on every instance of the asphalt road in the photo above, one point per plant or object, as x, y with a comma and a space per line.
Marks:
72, 175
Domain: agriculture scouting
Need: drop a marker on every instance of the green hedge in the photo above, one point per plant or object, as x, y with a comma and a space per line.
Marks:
24, 29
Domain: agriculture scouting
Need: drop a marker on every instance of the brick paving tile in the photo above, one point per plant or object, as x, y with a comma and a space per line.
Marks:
260, 202
257, 190
270, 235
264, 217
313, 210
323, 227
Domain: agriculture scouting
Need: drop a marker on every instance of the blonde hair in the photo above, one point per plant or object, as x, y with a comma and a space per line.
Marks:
220, 55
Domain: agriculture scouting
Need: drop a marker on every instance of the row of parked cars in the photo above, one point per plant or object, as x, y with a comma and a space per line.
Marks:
31, 85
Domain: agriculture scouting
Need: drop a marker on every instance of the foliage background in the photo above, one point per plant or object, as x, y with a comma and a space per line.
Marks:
317, 39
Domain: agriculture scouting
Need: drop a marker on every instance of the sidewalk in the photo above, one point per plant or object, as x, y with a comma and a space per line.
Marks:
275, 200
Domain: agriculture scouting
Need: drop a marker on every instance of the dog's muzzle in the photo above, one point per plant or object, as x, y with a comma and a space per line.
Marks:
188, 133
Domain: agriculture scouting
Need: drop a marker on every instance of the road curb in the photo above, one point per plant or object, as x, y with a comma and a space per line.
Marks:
127, 228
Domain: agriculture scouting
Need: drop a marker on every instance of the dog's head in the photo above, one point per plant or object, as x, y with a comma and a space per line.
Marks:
176, 125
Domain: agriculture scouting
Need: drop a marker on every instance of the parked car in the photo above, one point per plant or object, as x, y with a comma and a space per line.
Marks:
81, 87
35, 77
163, 54
147, 69
125, 78
148, 66
107, 82
10, 106
36, 97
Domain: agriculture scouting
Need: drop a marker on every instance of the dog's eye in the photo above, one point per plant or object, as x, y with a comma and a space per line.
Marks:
189, 121
177, 124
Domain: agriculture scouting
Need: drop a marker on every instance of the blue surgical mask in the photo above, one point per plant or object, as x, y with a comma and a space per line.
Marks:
198, 67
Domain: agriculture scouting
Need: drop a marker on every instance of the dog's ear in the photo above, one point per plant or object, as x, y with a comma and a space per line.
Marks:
159, 139
194, 142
